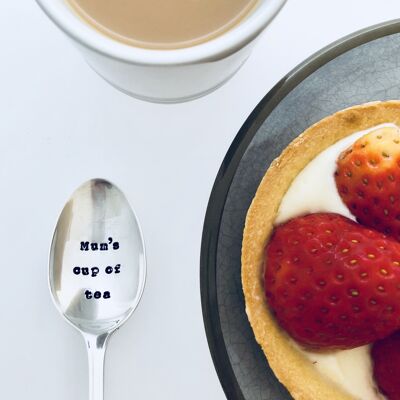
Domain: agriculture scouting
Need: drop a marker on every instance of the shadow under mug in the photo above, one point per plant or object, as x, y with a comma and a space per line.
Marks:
164, 76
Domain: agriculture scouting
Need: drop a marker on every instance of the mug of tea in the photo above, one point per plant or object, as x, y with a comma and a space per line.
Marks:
163, 50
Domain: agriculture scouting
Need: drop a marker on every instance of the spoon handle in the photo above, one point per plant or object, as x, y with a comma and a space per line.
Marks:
96, 347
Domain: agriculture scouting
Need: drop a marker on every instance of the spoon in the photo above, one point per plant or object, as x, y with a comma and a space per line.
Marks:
97, 268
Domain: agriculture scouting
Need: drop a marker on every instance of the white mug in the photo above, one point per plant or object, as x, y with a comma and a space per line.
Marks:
166, 76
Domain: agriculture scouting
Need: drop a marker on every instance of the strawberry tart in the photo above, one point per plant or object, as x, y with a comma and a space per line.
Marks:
321, 258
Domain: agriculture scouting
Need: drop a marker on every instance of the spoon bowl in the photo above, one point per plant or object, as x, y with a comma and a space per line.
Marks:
97, 267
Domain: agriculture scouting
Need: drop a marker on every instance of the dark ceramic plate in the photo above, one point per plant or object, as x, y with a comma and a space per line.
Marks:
357, 69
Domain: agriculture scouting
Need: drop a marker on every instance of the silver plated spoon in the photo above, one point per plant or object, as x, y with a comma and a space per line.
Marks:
97, 268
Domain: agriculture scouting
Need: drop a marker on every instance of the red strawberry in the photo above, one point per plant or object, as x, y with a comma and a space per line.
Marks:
368, 180
386, 357
333, 283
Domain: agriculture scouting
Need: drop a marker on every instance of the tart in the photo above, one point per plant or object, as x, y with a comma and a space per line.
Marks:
295, 367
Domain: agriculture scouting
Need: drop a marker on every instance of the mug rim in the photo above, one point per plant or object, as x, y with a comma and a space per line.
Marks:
214, 49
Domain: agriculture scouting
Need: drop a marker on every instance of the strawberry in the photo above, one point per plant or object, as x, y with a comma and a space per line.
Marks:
386, 364
331, 282
368, 180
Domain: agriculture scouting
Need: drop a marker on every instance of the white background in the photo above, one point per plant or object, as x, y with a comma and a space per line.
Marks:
60, 124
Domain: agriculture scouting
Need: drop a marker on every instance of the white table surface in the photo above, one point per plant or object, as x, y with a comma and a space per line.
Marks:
60, 124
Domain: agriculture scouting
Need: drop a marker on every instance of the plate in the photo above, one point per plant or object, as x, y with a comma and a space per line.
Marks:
360, 68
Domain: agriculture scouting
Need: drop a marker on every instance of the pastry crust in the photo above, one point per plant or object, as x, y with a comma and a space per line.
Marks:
290, 366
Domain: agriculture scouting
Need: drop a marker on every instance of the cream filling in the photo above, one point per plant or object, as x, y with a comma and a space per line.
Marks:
314, 190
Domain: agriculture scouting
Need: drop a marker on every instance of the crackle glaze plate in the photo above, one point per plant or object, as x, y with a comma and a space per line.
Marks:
360, 68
